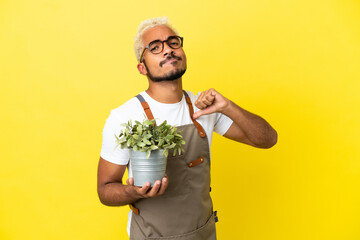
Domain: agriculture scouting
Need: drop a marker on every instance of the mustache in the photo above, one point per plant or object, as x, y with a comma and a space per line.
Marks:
168, 58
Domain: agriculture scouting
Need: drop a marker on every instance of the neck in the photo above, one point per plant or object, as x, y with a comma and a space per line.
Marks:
166, 91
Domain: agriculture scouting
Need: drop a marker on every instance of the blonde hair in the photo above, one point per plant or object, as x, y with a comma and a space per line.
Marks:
143, 27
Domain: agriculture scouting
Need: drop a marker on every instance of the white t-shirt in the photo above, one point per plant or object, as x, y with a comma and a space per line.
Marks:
176, 114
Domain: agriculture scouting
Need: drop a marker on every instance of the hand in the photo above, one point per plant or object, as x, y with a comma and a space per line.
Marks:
210, 101
147, 191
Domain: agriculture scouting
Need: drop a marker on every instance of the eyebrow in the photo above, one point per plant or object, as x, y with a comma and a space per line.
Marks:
160, 40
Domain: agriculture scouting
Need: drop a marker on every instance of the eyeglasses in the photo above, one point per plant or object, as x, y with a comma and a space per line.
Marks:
157, 46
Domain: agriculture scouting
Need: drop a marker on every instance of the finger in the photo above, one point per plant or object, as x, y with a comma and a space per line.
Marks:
208, 100
202, 95
199, 99
205, 99
201, 105
210, 97
130, 181
154, 190
143, 190
208, 110
163, 186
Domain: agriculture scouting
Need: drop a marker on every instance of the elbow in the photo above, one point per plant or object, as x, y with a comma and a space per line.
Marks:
108, 203
109, 198
103, 198
103, 202
269, 141
272, 140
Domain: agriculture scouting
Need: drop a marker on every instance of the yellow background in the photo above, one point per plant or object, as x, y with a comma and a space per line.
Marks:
64, 64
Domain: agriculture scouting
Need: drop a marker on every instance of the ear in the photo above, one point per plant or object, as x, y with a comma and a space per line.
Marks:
142, 69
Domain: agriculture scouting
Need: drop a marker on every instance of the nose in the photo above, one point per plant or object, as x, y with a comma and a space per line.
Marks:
167, 50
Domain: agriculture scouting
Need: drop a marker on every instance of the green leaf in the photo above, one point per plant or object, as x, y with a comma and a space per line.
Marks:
141, 144
137, 137
122, 140
148, 152
169, 137
147, 122
135, 148
153, 147
166, 152
147, 136
171, 146
139, 130
116, 137
173, 130
146, 141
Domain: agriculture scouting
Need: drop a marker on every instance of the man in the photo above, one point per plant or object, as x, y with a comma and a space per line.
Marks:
178, 207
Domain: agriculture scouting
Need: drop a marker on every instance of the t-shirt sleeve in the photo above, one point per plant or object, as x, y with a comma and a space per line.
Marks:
109, 151
222, 123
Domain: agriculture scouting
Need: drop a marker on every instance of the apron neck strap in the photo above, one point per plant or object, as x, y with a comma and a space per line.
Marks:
146, 107
150, 116
191, 110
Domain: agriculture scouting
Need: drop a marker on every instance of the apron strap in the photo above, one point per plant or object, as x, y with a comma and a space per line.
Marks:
134, 209
146, 107
191, 110
150, 116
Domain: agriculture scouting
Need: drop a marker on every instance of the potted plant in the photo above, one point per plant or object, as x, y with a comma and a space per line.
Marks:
149, 146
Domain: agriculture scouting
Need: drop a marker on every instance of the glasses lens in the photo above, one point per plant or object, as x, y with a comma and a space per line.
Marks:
156, 47
174, 42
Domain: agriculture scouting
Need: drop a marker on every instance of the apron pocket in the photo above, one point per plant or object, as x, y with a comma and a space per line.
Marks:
206, 232
177, 171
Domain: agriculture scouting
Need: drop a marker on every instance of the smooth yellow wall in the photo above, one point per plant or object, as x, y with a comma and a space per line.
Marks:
64, 64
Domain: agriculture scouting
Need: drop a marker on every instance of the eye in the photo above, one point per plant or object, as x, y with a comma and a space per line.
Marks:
173, 43
154, 48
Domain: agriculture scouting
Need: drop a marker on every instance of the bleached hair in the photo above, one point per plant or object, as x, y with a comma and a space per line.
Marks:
143, 27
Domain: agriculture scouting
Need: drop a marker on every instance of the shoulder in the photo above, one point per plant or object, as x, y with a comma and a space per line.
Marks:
127, 108
130, 110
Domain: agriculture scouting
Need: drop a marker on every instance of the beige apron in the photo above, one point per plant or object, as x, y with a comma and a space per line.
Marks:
185, 210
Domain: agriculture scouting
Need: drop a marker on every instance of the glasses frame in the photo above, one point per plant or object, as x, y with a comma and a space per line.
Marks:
162, 44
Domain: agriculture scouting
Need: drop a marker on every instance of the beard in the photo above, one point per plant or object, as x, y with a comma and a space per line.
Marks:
168, 77
171, 76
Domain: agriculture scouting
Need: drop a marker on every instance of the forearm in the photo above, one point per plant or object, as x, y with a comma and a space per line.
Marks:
255, 128
117, 194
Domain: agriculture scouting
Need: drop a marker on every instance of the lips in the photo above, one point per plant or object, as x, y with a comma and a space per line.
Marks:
170, 59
